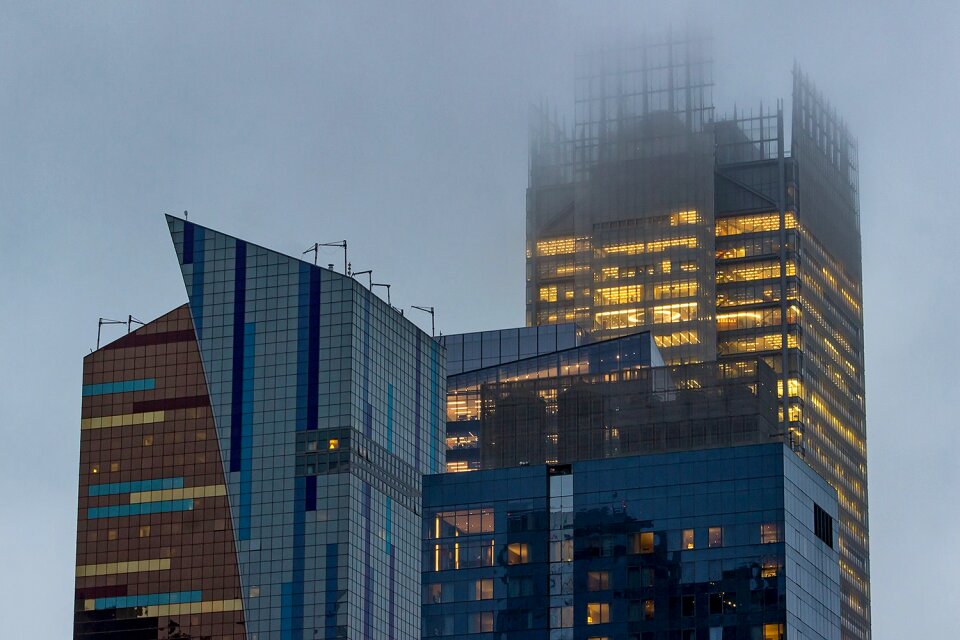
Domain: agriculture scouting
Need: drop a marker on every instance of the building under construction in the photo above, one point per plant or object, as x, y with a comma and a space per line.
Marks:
726, 237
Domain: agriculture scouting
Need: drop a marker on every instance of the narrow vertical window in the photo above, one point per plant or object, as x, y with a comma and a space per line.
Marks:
769, 532
715, 537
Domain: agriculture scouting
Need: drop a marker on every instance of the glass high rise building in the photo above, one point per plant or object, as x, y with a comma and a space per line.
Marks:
652, 213
728, 543
251, 462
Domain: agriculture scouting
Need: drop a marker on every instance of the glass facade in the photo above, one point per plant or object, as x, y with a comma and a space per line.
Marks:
470, 351
601, 400
318, 407
732, 543
156, 548
650, 214
491, 403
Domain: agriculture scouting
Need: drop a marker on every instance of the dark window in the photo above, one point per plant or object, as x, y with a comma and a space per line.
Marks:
716, 603
823, 525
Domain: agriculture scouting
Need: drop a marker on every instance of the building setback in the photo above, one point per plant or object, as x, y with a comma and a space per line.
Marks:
653, 214
251, 463
734, 543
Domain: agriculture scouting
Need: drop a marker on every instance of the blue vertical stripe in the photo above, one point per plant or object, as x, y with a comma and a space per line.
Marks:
246, 447
303, 339
188, 228
308, 365
199, 265
239, 313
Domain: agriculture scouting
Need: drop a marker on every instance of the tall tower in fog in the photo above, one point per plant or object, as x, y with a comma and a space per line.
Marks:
722, 236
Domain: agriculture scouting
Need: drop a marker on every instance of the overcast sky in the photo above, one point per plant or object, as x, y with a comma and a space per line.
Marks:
402, 127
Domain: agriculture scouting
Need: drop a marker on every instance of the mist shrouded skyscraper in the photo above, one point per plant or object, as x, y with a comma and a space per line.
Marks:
726, 243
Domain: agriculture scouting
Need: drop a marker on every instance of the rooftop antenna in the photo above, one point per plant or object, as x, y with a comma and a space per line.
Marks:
382, 284
369, 273
186, 216
103, 321
131, 319
433, 329
316, 250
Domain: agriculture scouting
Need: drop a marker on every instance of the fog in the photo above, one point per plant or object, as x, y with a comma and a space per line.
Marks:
403, 128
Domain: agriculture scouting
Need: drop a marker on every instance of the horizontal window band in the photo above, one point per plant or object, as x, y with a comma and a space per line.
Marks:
122, 420
122, 386
135, 486
115, 568
142, 509
163, 495
144, 600
188, 402
147, 339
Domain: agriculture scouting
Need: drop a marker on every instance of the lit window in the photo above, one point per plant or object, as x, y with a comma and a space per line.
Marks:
147, 441
561, 551
434, 593
598, 612
517, 553
114, 466
769, 533
555, 246
643, 542
648, 609
688, 538
334, 444
773, 632
95, 468
715, 537
485, 589
548, 294
112, 534
481, 622
144, 531
770, 569
254, 592
598, 580
312, 445
449, 524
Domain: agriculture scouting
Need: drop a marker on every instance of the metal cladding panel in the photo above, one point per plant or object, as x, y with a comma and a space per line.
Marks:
328, 408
